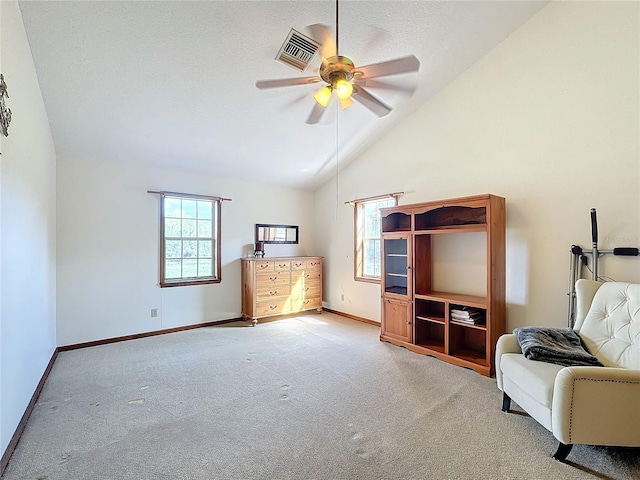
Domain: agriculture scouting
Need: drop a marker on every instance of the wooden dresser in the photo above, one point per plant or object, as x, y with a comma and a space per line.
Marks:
280, 285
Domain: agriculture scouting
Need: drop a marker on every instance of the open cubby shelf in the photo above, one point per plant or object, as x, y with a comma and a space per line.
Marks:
430, 334
449, 216
396, 222
436, 347
454, 326
476, 357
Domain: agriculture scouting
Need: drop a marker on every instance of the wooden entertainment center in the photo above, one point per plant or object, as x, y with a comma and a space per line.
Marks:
418, 252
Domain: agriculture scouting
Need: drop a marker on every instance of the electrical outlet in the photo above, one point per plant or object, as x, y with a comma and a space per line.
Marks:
154, 312
342, 297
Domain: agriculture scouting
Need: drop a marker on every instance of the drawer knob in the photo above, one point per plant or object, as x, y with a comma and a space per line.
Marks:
273, 293
272, 307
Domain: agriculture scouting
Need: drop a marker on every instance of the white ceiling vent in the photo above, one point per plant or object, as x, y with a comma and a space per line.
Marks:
298, 50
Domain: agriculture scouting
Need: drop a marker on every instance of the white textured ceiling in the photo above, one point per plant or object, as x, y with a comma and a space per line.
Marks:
172, 83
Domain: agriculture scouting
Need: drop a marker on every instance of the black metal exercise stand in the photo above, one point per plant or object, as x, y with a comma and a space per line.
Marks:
579, 258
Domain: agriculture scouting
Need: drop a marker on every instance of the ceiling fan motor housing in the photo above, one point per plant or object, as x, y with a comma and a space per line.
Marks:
337, 68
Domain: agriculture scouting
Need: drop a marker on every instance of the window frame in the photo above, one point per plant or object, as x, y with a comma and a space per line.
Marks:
216, 238
358, 237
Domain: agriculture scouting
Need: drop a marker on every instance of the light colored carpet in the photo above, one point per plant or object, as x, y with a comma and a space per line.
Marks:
308, 397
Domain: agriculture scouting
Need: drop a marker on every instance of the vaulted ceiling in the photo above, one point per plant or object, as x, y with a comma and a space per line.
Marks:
172, 83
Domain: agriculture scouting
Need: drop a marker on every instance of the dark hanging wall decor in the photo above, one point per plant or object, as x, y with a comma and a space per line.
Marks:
5, 113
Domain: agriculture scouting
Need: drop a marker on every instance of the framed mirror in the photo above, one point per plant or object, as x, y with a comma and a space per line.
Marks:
276, 233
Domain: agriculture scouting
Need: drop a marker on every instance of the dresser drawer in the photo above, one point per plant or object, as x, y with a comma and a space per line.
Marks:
299, 277
298, 264
265, 266
265, 280
307, 303
306, 264
274, 291
306, 291
312, 290
287, 305
273, 307
282, 265
293, 305
314, 264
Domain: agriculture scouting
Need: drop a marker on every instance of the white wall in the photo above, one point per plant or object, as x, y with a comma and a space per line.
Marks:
27, 226
549, 120
108, 247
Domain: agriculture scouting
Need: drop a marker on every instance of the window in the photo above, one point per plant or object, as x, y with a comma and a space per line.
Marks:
367, 238
189, 240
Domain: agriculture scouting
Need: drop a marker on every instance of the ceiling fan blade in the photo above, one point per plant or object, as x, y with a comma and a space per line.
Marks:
376, 40
286, 82
316, 114
372, 103
323, 35
390, 67
370, 83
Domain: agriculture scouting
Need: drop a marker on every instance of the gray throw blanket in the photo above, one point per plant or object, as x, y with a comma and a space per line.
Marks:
562, 346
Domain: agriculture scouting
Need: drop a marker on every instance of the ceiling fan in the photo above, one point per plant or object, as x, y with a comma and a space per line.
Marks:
340, 75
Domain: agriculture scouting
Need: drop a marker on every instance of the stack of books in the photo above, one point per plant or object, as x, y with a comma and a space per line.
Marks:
472, 316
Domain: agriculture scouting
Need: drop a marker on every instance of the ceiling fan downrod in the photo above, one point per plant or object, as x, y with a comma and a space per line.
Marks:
337, 72
337, 36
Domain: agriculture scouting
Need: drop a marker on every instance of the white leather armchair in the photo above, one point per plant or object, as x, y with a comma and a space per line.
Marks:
588, 405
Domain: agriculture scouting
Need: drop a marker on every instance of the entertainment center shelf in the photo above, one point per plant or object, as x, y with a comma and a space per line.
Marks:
452, 229
467, 300
458, 327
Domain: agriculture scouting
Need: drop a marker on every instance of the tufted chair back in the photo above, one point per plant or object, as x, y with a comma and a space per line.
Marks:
611, 327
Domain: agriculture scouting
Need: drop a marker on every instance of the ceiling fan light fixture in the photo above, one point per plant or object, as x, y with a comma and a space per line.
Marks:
343, 88
345, 102
323, 96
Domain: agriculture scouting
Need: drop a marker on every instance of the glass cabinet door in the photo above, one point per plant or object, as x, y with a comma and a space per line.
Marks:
395, 265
